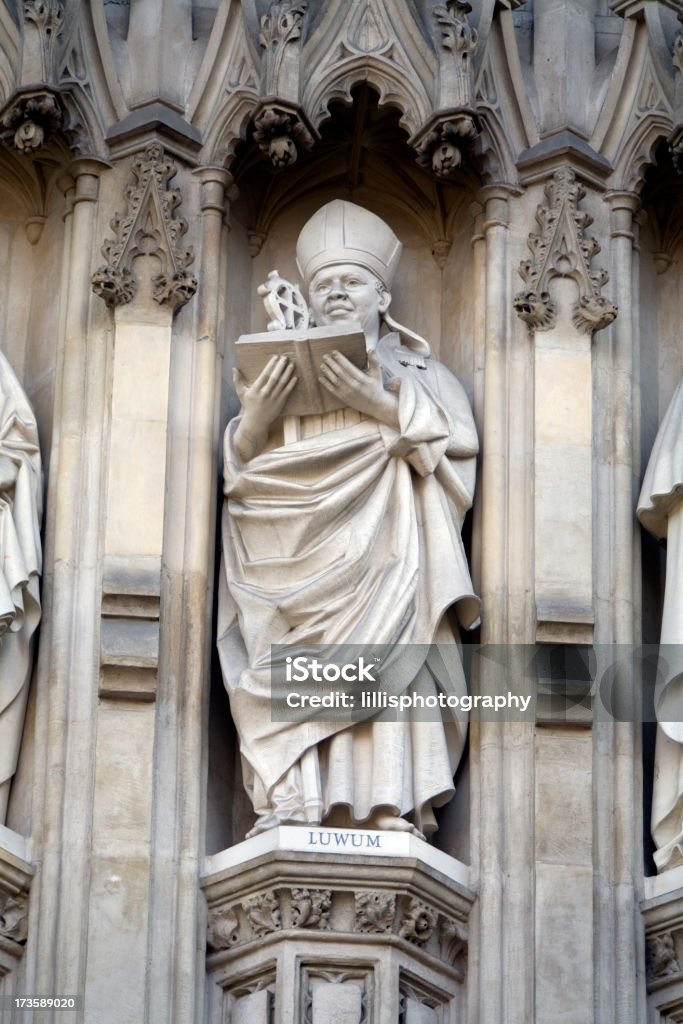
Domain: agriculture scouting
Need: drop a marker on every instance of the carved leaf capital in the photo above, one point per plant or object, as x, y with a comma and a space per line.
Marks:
150, 226
561, 248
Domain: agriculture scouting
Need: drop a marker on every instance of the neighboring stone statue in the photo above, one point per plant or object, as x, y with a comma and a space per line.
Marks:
344, 528
660, 510
21, 492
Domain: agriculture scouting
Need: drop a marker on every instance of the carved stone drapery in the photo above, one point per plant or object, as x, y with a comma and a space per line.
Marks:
561, 248
149, 227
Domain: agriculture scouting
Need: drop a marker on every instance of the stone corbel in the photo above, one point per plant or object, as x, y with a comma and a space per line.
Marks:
561, 248
31, 118
443, 143
149, 227
281, 129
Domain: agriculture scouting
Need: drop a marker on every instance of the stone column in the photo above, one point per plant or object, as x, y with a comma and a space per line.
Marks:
176, 992
618, 854
67, 672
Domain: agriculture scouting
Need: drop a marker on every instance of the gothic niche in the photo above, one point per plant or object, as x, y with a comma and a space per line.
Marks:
363, 155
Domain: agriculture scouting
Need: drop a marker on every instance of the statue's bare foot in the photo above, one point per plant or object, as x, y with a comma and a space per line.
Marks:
393, 823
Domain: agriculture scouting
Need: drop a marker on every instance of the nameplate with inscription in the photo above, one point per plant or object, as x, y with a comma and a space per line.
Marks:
318, 841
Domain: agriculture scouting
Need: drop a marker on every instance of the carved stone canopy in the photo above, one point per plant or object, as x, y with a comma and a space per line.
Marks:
561, 248
149, 227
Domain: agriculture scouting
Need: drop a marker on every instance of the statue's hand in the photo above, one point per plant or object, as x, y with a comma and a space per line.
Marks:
358, 389
8, 473
262, 403
264, 400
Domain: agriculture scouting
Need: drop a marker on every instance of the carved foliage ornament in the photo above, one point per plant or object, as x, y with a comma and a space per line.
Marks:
14, 918
44, 22
280, 27
662, 960
561, 248
444, 141
28, 123
149, 227
280, 133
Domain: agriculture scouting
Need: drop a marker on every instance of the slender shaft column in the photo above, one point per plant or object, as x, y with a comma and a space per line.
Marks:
185, 652
72, 579
617, 746
486, 738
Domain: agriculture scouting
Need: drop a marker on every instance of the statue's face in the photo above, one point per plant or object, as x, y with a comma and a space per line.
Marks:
346, 292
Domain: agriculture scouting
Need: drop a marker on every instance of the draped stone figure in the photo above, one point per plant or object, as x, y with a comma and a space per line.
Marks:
20, 565
660, 509
346, 530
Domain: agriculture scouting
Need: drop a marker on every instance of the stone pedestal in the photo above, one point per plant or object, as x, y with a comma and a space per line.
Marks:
336, 926
663, 916
16, 874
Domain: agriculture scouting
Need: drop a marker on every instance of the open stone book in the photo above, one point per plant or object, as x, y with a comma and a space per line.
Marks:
306, 349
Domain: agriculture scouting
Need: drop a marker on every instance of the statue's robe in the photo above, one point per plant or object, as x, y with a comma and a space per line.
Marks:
351, 535
20, 566
660, 509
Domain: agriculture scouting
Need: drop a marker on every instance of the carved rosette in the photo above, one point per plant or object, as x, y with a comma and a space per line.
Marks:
418, 923
150, 227
281, 133
31, 119
561, 248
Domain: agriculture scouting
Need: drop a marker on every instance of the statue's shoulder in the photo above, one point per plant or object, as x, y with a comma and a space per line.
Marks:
401, 361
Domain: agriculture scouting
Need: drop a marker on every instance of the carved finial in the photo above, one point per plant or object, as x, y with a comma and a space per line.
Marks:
561, 248
280, 27
150, 227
